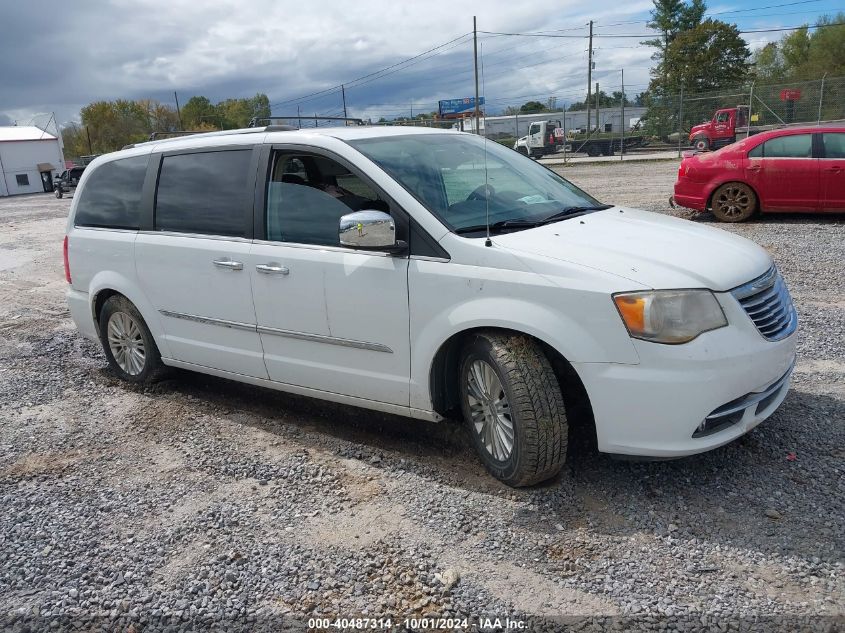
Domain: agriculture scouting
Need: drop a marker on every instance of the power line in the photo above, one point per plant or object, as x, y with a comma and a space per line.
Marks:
335, 88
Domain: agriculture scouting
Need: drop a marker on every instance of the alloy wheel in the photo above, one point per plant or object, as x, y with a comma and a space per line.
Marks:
733, 201
126, 343
489, 409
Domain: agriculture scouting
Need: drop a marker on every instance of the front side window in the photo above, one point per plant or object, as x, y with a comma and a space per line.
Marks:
307, 195
203, 193
723, 117
792, 146
834, 145
111, 197
459, 178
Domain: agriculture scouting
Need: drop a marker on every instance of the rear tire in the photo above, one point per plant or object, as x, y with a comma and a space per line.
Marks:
128, 343
513, 407
593, 150
734, 202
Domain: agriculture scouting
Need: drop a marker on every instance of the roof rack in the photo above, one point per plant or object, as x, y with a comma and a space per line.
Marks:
298, 117
175, 136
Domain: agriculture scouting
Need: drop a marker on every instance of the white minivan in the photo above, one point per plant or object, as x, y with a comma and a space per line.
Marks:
430, 274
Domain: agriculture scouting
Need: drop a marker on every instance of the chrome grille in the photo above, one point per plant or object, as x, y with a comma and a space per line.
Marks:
766, 300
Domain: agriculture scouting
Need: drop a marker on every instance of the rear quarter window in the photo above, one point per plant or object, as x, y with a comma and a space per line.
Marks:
203, 193
111, 197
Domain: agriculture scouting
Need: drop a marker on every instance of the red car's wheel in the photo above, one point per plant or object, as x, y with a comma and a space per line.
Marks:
734, 202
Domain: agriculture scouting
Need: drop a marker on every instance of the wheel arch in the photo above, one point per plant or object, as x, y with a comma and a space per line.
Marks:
443, 377
108, 284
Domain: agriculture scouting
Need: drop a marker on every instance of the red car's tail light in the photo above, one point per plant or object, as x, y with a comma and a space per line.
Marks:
67, 263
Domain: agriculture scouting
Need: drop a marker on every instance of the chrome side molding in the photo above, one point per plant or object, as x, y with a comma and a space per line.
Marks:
321, 338
302, 336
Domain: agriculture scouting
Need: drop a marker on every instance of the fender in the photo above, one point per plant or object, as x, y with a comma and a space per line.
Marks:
111, 280
571, 339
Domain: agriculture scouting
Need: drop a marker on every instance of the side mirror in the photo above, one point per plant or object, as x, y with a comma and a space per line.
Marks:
368, 230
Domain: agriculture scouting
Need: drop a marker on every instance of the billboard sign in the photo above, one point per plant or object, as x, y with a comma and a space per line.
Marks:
452, 107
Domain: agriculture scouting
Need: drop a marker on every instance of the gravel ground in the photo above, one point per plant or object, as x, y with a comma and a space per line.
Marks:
200, 503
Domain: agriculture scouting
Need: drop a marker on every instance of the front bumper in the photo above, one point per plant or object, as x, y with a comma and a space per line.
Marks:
659, 407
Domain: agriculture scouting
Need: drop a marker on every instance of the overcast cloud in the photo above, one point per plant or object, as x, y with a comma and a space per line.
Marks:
59, 56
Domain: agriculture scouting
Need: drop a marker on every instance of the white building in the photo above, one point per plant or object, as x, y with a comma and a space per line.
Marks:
30, 159
516, 125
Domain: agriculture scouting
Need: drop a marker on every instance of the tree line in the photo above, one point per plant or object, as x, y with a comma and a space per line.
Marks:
106, 126
698, 56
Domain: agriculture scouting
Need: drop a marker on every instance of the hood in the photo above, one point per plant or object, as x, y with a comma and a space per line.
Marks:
651, 249
699, 128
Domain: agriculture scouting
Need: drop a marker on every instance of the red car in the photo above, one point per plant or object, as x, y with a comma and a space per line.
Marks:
791, 169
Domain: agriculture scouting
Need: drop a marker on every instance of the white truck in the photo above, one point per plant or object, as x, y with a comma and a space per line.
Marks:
544, 137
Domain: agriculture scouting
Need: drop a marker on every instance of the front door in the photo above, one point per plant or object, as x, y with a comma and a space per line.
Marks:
330, 318
832, 171
193, 265
784, 173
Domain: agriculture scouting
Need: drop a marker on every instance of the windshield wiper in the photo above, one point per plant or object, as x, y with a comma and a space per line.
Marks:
569, 212
497, 227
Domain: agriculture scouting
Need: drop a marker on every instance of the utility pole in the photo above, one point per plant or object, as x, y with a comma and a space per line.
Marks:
88, 134
622, 117
475, 58
598, 105
343, 92
589, 74
178, 111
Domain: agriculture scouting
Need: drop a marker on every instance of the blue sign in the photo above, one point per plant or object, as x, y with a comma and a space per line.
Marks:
458, 106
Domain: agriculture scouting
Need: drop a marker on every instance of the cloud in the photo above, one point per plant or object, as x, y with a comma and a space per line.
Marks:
225, 48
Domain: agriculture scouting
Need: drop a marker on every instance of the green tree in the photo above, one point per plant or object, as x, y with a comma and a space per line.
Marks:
199, 110
532, 107
671, 18
113, 124
709, 57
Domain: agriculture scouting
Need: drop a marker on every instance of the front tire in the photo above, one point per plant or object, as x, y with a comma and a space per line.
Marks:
734, 202
129, 346
59, 193
701, 143
513, 408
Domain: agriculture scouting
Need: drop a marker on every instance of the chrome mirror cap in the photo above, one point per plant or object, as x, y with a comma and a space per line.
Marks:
368, 229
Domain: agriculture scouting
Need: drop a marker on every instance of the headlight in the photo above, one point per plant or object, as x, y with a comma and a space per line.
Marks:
669, 316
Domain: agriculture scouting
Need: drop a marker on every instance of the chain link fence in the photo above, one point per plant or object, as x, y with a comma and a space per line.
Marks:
793, 103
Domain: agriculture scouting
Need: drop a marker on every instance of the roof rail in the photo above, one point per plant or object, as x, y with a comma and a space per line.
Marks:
298, 117
175, 136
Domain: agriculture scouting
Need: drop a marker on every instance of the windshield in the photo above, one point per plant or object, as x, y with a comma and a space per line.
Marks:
457, 179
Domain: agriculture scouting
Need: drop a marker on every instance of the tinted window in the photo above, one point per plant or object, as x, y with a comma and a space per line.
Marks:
793, 146
757, 152
834, 145
307, 195
111, 197
203, 193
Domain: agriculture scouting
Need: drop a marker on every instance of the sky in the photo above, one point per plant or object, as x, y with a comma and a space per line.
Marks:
55, 57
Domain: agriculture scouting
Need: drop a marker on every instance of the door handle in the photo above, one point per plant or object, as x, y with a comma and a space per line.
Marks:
835, 170
228, 263
754, 168
272, 269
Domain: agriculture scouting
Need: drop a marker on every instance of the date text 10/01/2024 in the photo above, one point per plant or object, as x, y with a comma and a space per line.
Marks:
415, 624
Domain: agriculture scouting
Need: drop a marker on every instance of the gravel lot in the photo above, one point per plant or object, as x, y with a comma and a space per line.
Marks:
200, 503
